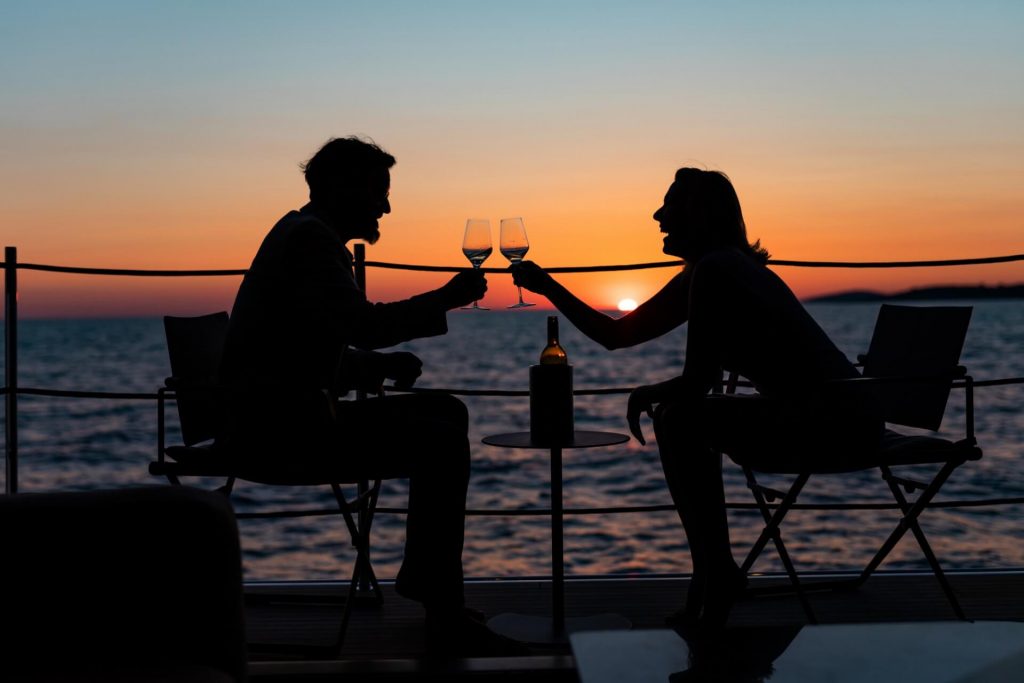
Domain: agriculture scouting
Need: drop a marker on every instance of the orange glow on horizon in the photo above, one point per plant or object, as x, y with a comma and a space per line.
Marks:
597, 219
136, 138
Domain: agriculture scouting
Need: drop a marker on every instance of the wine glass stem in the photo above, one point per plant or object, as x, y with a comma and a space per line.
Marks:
476, 266
520, 294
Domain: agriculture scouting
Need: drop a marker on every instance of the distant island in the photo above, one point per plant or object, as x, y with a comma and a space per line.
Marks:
927, 294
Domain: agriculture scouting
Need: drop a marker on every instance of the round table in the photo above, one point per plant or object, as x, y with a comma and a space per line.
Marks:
555, 629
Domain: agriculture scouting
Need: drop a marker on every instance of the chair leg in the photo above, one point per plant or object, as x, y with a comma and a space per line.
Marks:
909, 521
772, 530
362, 571
367, 579
361, 536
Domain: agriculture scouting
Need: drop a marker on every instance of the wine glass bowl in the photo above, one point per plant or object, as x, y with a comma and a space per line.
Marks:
514, 245
476, 245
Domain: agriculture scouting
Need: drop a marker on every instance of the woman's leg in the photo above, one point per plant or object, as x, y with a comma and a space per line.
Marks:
686, 433
693, 472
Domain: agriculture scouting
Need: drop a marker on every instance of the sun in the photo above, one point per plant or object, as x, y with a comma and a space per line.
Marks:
627, 305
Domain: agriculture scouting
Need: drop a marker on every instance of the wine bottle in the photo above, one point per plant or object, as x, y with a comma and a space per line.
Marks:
551, 410
553, 353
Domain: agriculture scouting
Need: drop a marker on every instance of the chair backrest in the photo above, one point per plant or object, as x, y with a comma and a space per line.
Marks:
916, 341
195, 346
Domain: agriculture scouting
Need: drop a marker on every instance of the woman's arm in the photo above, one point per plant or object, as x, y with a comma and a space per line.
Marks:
703, 367
660, 314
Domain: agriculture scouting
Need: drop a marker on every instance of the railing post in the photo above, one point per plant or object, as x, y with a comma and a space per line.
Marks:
359, 264
359, 271
11, 368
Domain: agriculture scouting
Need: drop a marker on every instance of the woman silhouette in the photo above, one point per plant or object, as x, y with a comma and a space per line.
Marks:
742, 318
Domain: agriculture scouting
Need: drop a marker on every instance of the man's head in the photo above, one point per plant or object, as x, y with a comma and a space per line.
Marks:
349, 179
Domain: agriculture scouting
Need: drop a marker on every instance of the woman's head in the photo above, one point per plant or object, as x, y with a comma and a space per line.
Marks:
701, 213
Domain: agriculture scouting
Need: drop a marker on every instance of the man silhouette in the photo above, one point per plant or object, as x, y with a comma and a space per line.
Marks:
303, 333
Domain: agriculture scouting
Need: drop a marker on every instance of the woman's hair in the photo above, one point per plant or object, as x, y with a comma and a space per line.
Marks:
714, 208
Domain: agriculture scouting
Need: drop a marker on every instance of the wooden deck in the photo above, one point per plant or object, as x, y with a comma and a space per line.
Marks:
385, 642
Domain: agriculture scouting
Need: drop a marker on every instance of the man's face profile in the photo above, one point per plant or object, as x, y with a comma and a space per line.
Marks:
361, 203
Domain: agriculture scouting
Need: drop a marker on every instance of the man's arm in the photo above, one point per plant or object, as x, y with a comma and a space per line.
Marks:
367, 370
384, 324
323, 268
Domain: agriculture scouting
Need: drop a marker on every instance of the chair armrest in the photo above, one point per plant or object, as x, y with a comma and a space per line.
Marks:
862, 360
959, 372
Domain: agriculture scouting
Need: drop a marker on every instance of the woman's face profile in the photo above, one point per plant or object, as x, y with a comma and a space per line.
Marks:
672, 219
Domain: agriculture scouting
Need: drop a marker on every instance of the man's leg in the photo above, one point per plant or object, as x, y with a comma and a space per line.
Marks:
422, 437
439, 477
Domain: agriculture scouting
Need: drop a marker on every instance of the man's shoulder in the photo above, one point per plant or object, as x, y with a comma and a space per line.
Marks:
301, 221
301, 230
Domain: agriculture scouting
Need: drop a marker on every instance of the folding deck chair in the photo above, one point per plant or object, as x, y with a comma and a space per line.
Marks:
911, 365
195, 346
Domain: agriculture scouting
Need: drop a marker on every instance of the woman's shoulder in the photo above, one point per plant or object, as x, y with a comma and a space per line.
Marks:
724, 261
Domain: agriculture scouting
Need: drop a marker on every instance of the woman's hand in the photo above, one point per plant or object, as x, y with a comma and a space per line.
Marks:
531, 276
641, 400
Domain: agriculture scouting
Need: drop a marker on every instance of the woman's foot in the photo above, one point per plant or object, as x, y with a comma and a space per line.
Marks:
724, 588
687, 616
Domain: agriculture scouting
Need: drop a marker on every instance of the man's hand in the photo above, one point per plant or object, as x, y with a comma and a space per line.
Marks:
402, 367
466, 287
641, 400
531, 276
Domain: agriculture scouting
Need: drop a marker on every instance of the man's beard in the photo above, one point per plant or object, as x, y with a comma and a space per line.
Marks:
371, 236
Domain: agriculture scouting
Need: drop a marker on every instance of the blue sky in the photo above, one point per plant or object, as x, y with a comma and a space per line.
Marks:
851, 129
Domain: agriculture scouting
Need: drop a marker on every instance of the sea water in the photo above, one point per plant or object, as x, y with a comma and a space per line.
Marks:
86, 443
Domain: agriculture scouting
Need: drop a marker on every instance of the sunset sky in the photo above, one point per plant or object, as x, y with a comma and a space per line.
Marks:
168, 134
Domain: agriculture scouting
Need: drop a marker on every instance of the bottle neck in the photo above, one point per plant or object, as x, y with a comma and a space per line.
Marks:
553, 354
553, 331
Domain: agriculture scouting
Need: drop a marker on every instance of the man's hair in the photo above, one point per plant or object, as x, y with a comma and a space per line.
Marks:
342, 161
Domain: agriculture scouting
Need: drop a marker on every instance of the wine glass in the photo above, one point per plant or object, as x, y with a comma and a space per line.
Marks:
476, 245
514, 246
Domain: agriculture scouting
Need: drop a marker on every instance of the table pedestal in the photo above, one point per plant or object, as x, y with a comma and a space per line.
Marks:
555, 630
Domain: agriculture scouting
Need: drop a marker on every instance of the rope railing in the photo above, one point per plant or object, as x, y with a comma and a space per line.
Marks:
146, 396
630, 509
142, 272
540, 512
11, 391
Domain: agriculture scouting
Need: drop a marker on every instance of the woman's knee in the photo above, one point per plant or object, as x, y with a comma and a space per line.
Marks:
671, 420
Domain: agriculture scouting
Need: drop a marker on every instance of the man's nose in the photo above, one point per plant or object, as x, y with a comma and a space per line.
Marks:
386, 206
